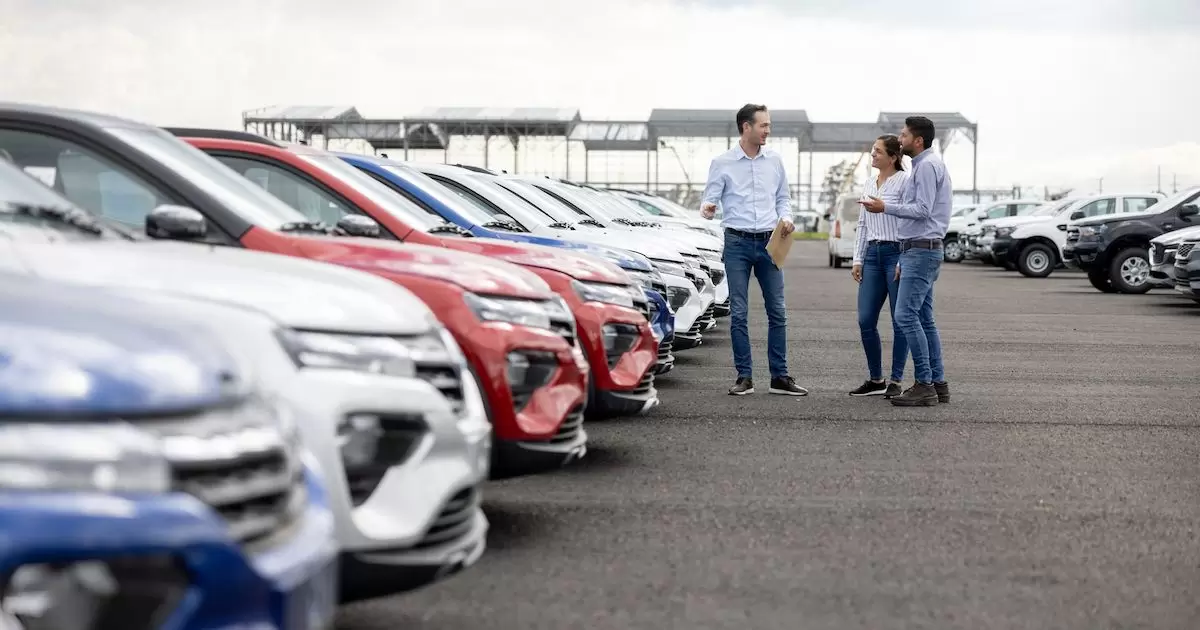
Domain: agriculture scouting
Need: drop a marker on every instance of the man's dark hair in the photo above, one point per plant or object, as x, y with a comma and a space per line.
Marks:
746, 114
921, 127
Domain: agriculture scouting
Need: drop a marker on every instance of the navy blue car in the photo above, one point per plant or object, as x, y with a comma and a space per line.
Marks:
139, 464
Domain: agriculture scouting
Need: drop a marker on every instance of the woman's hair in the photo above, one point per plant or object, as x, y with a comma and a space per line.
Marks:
891, 144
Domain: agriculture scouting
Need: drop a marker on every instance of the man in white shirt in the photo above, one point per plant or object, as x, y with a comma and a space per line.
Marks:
750, 184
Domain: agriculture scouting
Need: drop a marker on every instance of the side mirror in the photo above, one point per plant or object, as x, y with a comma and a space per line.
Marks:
1189, 210
358, 225
1078, 214
176, 222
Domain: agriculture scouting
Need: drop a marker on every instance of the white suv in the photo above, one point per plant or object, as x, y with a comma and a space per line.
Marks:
972, 225
1034, 244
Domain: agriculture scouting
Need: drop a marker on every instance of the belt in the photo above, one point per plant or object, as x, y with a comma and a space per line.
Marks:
876, 241
754, 236
920, 243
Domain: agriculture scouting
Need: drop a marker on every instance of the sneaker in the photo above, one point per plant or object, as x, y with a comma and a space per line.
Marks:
786, 386
742, 387
943, 391
919, 395
893, 390
870, 388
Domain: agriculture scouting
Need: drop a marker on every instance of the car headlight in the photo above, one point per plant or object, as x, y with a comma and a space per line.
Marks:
616, 294
65, 456
373, 354
677, 297
645, 278
711, 255
671, 268
1092, 231
518, 312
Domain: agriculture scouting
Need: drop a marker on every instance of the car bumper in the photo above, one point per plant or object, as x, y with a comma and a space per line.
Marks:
662, 324
1081, 254
1002, 248
390, 504
621, 386
289, 584
687, 314
1187, 279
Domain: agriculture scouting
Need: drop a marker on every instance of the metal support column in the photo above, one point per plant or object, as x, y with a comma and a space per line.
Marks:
975, 166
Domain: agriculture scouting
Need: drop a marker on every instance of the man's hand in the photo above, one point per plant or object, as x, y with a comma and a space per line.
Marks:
788, 226
856, 272
708, 210
872, 204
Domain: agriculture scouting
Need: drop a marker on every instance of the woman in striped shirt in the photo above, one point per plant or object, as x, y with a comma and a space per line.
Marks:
876, 254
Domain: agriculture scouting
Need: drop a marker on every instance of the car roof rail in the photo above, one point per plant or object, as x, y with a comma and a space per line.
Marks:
222, 134
477, 169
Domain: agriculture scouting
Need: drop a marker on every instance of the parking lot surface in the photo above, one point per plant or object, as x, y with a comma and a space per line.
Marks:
1059, 489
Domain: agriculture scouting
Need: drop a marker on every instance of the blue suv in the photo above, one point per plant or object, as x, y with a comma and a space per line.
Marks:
144, 481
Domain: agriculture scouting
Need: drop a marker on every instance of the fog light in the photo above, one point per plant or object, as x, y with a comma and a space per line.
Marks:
618, 339
358, 438
529, 370
128, 593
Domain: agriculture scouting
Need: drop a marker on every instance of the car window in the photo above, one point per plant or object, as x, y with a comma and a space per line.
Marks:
1137, 204
1022, 209
647, 207
999, 211
87, 179
290, 188
1099, 207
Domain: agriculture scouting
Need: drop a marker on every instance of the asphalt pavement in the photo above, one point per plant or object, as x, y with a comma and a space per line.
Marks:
1059, 489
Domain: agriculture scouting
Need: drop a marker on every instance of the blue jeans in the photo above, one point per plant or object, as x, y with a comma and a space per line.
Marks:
879, 284
743, 256
914, 312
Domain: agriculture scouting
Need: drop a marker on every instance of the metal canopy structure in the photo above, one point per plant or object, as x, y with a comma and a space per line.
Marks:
434, 128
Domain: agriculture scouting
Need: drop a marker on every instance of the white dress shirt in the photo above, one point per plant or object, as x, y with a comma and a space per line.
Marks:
879, 226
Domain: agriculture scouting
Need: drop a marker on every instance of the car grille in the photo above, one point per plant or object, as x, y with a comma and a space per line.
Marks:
240, 464
1158, 253
447, 379
563, 325
454, 521
645, 385
400, 436
1185, 250
1072, 234
664, 349
709, 314
642, 305
659, 286
570, 428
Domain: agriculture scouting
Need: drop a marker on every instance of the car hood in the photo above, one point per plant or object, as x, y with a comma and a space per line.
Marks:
622, 258
474, 273
78, 350
295, 292
1115, 218
578, 266
634, 241
684, 236
1178, 236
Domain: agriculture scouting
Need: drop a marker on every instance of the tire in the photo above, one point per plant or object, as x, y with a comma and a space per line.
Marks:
1130, 270
831, 261
1099, 278
952, 250
837, 262
1036, 261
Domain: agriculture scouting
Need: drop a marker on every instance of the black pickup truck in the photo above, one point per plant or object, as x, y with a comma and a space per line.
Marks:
1113, 249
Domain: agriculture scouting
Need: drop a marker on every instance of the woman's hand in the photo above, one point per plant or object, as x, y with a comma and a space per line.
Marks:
856, 273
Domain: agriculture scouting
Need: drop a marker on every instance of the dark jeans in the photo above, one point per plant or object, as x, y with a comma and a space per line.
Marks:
920, 268
879, 284
743, 256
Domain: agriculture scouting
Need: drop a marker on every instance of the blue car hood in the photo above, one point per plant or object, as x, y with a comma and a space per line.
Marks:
68, 349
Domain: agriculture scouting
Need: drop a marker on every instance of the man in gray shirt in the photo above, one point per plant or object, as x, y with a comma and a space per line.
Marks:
924, 213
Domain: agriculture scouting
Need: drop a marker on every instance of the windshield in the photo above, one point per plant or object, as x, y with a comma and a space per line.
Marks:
29, 208
464, 206
664, 206
250, 201
545, 203
1052, 208
394, 204
583, 206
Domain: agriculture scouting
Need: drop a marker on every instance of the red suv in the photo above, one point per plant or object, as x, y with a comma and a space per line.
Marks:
504, 317
610, 312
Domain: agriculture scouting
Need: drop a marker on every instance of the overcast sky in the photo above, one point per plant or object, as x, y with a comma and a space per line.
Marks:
1064, 91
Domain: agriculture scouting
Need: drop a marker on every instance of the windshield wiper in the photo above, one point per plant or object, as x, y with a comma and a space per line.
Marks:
59, 214
591, 222
449, 228
306, 226
562, 225
633, 223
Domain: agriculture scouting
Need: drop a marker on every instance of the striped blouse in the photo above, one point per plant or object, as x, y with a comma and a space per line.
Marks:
877, 226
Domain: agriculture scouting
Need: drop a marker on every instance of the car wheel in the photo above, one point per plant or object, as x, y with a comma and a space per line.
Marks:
831, 260
1130, 270
1036, 261
952, 251
1099, 278
837, 262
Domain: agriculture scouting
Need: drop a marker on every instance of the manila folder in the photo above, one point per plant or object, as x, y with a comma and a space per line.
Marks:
779, 245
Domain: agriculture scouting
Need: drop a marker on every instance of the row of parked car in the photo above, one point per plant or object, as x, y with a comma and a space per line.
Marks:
1125, 242
245, 381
